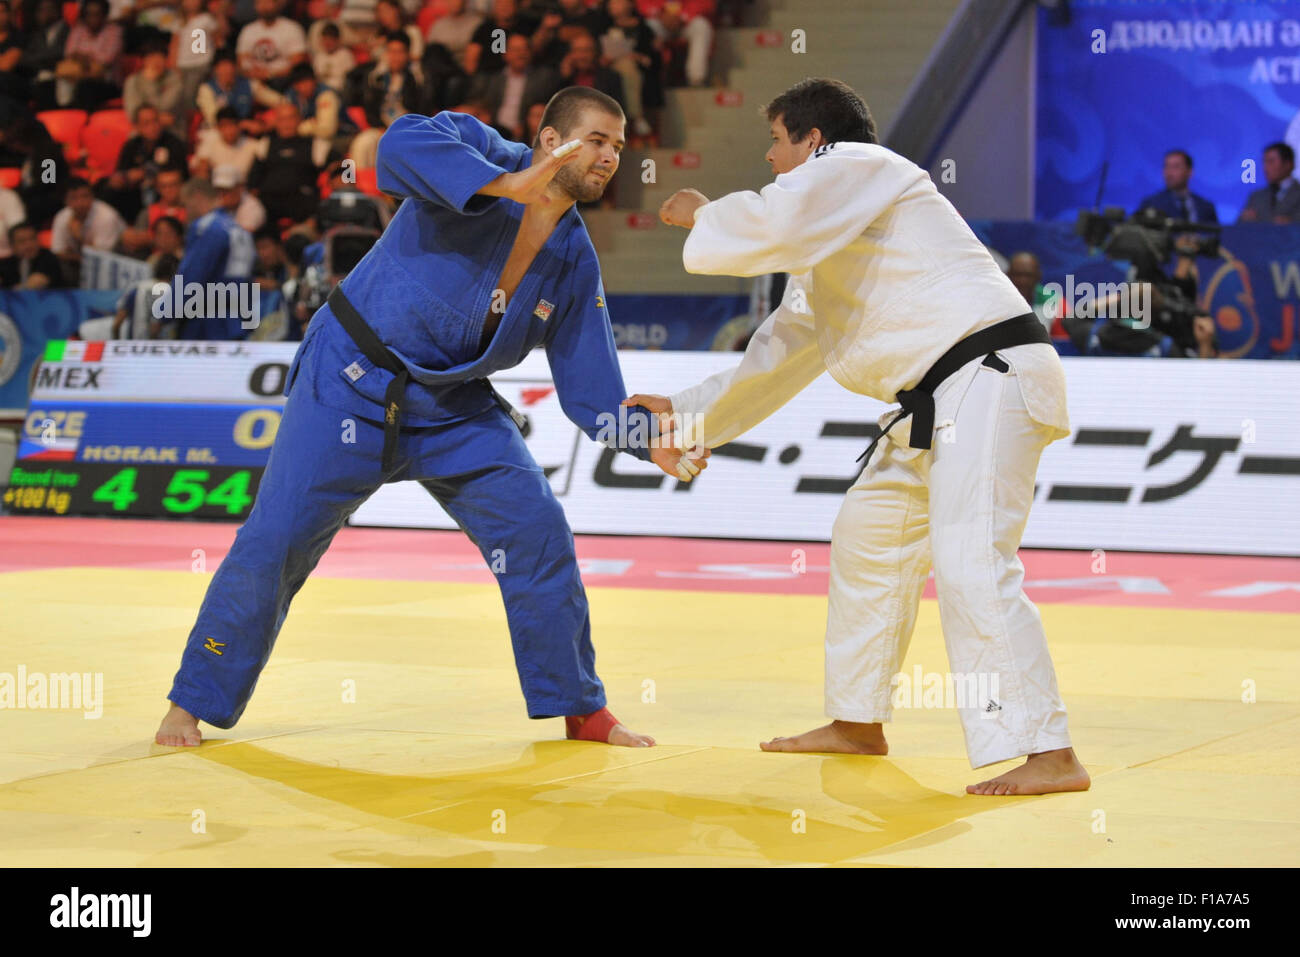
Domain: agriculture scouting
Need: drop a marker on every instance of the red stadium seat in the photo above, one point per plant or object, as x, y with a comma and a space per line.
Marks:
102, 139
70, 10
424, 19
358, 116
368, 181
45, 237
65, 127
10, 177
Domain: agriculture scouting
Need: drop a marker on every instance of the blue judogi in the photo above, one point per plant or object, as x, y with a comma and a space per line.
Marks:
218, 251
426, 288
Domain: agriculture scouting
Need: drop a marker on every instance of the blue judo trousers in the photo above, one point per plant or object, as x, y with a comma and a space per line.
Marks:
426, 288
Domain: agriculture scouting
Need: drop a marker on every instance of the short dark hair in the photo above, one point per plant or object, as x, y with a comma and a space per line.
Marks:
165, 266
268, 232
1187, 157
76, 182
827, 105
1284, 150
228, 113
303, 71
399, 36
13, 230
331, 29
564, 108
135, 117
171, 221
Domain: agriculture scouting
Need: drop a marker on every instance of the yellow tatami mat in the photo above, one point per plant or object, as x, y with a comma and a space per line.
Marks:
389, 729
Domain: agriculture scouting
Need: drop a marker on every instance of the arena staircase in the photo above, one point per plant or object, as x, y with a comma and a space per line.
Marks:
713, 139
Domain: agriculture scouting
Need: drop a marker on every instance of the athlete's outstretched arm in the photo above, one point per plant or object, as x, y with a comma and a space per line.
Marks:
584, 366
798, 220
782, 358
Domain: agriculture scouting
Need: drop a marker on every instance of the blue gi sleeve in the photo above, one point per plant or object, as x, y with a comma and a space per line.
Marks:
588, 380
444, 159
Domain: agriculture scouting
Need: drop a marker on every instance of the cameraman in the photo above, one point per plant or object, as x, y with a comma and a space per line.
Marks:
1174, 325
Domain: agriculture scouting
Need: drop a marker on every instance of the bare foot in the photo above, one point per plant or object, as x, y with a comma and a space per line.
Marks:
838, 737
179, 729
1044, 773
626, 738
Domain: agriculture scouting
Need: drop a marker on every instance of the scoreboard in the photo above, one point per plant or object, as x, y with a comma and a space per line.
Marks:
149, 428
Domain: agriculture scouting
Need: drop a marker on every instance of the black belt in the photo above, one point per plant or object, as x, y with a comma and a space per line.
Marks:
1023, 330
378, 353
367, 340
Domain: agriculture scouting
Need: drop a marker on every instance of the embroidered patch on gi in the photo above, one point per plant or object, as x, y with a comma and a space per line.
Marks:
600, 302
543, 310
823, 150
354, 372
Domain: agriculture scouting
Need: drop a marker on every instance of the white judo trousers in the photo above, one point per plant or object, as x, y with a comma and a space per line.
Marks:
959, 508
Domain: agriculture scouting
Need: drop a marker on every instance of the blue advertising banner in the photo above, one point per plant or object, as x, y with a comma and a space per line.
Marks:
1120, 82
1252, 290
677, 323
30, 319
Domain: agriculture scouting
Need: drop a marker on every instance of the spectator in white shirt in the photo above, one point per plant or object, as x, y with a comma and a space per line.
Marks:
227, 145
270, 46
85, 222
330, 59
192, 49
11, 214
454, 29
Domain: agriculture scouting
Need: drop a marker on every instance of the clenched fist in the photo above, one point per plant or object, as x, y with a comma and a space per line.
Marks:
679, 208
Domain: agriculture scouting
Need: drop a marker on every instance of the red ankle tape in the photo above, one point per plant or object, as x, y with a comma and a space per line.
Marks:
590, 727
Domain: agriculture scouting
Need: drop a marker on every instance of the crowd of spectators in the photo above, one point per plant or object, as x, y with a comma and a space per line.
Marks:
108, 107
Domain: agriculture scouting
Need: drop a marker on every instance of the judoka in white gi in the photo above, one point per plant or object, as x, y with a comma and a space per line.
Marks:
886, 277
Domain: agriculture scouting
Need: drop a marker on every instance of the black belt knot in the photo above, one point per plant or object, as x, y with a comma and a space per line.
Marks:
368, 341
918, 402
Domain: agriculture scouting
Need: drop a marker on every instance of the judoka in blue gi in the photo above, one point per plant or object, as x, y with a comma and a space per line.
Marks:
402, 348
213, 295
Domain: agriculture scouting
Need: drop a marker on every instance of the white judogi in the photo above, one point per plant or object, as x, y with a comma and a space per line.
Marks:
886, 277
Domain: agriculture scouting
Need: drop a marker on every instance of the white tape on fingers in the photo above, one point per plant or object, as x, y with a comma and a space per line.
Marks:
567, 148
682, 474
